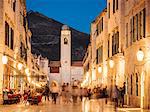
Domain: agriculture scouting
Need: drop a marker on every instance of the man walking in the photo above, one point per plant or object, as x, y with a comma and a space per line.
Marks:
122, 94
46, 92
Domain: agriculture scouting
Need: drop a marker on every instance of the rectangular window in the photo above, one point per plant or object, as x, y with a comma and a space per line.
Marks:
97, 32
97, 56
100, 26
102, 23
9, 36
144, 22
108, 10
108, 48
140, 25
136, 26
126, 34
133, 29
12, 39
14, 5
115, 43
114, 6
100, 55
6, 34
131, 32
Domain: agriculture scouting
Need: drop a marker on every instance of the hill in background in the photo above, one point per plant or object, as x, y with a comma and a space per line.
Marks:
46, 38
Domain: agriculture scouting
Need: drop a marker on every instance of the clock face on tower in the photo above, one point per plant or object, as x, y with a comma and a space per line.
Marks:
65, 62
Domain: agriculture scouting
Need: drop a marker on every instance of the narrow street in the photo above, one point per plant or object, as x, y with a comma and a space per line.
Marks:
75, 56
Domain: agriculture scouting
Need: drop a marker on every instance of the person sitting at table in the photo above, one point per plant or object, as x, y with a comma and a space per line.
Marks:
5, 96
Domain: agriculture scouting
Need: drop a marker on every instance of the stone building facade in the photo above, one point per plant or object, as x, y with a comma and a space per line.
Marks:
15, 49
99, 47
116, 45
137, 37
87, 77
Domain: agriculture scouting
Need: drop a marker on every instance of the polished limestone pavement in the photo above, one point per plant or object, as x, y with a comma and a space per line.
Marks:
45, 107
85, 106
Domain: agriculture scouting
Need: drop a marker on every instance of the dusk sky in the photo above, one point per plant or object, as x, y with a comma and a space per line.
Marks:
75, 13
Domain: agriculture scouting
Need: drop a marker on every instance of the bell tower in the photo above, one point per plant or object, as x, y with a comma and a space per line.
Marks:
65, 54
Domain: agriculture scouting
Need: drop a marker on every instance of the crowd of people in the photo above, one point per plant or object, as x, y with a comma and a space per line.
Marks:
113, 94
72, 93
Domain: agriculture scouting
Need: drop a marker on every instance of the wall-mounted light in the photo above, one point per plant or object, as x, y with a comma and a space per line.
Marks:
27, 71
20, 65
4, 59
140, 55
99, 69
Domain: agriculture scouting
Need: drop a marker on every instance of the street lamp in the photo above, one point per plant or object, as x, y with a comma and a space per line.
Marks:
4, 59
20, 66
27, 71
140, 55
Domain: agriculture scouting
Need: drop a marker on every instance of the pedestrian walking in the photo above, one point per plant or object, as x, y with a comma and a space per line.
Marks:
63, 93
68, 93
81, 93
89, 93
122, 94
55, 92
115, 96
46, 92
75, 93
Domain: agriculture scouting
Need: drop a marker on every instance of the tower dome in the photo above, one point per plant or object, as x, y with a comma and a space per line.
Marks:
65, 27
